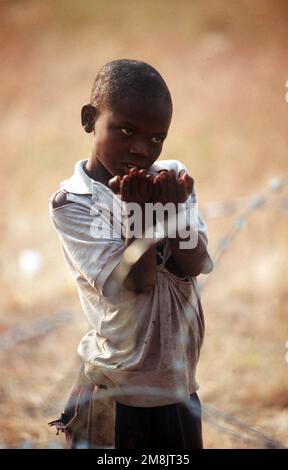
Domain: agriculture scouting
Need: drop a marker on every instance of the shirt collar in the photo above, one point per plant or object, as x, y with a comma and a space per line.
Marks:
79, 182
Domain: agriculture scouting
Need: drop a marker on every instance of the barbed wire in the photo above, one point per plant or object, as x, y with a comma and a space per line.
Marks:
255, 437
223, 208
47, 324
237, 431
28, 331
275, 185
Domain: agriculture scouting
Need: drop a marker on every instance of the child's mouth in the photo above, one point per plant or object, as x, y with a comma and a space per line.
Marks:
131, 165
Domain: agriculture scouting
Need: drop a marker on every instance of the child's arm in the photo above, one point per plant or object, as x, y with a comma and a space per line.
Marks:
177, 190
135, 187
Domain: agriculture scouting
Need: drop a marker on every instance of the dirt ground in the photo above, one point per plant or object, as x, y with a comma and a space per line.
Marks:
226, 65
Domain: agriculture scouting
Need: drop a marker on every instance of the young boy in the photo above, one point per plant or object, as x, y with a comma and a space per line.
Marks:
142, 300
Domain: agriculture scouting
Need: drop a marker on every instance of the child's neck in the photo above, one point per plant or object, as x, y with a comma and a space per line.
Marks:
95, 170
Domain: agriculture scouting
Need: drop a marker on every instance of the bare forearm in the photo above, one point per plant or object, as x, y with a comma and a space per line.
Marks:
143, 273
190, 261
136, 275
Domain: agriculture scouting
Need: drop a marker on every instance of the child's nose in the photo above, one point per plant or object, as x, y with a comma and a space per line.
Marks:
139, 148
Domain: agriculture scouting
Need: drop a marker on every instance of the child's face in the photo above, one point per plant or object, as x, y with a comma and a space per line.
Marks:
131, 135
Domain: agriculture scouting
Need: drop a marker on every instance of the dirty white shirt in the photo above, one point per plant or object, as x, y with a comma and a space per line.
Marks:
143, 346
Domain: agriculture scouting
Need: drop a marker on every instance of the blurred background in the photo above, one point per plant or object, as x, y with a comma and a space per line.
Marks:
226, 65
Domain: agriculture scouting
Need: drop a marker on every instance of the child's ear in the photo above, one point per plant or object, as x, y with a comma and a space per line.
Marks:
88, 117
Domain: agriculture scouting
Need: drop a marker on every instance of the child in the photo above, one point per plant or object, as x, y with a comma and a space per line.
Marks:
145, 309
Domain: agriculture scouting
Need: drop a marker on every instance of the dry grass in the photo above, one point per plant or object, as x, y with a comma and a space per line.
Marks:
226, 65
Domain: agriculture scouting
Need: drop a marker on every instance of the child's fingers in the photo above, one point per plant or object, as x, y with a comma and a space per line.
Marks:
133, 171
172, 186
163, 186
182, 194
143, 185
114, 184
150, 178
189, 183
156, 189
134, 185
125, 188
150, 186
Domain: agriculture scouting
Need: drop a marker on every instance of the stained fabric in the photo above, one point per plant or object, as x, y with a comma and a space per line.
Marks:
148, 339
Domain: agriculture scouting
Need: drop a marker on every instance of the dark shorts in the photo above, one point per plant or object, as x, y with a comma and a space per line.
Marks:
174, 426
162, 427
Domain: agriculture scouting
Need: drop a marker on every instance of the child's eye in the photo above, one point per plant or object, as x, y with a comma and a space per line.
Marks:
126, 131
157, 140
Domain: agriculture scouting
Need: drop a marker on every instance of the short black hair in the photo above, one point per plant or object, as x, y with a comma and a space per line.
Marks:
125, 78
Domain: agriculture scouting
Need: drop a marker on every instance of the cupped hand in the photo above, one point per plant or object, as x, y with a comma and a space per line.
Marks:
168, 188
140, 187
136, 186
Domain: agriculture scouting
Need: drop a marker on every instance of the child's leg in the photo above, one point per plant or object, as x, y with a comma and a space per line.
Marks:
172, 426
